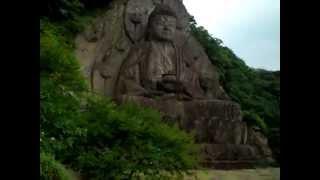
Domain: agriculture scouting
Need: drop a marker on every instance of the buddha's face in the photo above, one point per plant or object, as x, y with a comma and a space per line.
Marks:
163, 27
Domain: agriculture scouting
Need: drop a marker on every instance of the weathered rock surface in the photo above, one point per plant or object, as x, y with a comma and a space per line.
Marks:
142, 51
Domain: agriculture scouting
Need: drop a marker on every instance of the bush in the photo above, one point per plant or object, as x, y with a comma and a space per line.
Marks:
58, 10
127, 140
253, 119
61, 9
61, 86
50, 169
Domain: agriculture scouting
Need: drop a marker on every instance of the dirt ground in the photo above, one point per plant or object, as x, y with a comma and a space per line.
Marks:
248, 174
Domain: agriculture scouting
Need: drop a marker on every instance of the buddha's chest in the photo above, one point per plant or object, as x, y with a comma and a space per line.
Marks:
161, 60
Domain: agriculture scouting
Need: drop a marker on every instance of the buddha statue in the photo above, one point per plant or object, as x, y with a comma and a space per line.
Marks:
156, 67
161, 73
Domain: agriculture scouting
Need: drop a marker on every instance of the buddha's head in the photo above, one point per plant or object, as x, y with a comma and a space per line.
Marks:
162, 24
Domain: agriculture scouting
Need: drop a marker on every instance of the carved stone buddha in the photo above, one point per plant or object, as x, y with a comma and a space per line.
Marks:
161, 74
156, 67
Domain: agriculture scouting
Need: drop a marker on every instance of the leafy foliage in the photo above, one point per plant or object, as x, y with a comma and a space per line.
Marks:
58, 10
50, 169
61, 84
131, 140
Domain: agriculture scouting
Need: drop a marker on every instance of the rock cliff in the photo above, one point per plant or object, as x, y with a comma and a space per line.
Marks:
142, 51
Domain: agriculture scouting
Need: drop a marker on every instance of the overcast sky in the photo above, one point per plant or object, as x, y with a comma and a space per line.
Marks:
251, 28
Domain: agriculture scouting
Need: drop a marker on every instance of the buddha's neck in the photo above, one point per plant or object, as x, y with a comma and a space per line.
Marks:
163, 44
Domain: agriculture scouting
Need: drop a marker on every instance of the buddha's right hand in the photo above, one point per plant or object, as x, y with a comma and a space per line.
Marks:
152, 93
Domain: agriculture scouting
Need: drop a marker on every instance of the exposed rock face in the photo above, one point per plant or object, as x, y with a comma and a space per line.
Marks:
142, 51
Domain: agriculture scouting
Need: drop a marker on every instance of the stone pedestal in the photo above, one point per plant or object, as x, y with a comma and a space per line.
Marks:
217, 125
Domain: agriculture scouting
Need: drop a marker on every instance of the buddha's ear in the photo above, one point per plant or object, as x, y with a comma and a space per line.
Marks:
178, 24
